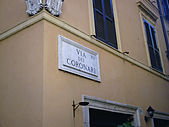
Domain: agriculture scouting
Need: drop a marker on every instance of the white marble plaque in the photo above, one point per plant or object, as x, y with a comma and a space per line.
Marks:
77, 59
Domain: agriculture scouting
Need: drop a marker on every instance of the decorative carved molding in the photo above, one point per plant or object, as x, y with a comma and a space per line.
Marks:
33, 6
54, 6
148, 8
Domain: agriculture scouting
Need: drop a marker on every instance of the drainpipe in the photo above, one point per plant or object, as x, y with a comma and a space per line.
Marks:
163, 26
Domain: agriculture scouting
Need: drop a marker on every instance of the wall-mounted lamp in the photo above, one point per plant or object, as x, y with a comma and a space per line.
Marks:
149, 113
75, 106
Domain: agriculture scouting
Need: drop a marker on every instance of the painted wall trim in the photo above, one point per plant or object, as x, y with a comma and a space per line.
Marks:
21, 26
91, 18
56, 21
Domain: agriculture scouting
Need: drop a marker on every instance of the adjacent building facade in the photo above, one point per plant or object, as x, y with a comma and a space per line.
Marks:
109, 53
164, 13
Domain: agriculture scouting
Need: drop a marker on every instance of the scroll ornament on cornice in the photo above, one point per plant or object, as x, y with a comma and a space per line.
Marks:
33, 6
52, 6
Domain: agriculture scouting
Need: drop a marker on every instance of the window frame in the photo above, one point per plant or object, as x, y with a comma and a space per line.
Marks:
159, 115
155, 50
106, 40
111, 106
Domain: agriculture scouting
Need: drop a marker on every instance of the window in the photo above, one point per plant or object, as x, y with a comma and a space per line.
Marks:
152, 46
165, 4
161, 123
104, 22
105, 113
101, 118
161, 119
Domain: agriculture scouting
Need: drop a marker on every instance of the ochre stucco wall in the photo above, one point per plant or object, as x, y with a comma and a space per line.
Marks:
131, 31
76, 13
21, 78
33, 92
121, 82
12, 12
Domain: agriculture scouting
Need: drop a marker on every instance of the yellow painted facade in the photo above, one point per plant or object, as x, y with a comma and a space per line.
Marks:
35, 93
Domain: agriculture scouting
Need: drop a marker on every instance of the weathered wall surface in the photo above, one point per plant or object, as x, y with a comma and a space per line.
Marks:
76, 13
12, 12
21, 74
33, 92
121, 81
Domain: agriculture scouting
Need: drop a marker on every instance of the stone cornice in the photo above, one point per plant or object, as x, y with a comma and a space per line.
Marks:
56, 21
147, 7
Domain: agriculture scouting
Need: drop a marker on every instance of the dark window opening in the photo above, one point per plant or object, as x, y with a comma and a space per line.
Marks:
161, 123
153, 46
104, 22
101, 118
